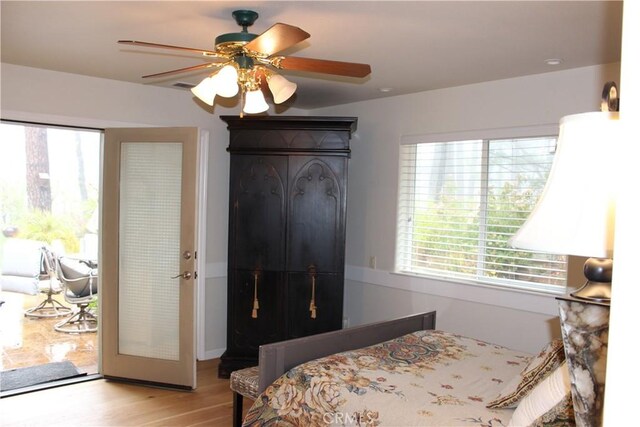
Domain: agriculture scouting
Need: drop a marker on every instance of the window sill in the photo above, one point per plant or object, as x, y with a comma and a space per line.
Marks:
514, 298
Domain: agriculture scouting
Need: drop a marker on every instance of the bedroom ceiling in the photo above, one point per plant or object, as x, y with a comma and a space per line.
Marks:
411, 46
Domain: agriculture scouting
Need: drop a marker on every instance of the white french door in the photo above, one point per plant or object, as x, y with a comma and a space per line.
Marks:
148, 259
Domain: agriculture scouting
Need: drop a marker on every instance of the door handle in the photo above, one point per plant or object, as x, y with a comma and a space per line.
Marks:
256, 304
312, 305
185, 275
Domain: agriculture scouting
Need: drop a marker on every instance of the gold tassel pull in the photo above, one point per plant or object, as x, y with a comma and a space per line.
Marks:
312, 304
256, 304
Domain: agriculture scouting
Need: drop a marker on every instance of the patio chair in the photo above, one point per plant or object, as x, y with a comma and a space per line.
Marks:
80, 282
21, 266
49, 285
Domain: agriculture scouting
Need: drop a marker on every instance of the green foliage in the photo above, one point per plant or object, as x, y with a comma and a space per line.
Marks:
446, 242
46, 227
508, 209
436, 234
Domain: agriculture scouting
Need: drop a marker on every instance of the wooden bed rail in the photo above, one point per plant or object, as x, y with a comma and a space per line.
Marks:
277, 358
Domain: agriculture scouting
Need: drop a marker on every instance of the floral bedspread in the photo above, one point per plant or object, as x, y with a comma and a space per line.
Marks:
424, 378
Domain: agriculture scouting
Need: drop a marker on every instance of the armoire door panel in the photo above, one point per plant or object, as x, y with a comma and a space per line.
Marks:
316, 205
326, 298
258, 212
256, 310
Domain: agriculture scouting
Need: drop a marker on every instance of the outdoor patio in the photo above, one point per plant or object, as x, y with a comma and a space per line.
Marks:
29, 341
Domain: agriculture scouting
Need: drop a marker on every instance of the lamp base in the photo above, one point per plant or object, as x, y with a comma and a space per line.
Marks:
594, 291
585, 333
598, 272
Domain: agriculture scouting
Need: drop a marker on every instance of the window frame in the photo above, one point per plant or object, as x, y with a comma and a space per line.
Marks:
486, 135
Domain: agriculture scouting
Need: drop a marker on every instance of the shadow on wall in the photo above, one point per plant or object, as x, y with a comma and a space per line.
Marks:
516, 329
554, 328
366, 303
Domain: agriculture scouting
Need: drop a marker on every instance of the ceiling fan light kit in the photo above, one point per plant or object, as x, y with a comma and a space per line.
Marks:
224, 84
227, 82
281, 88
206, 90
255, 102
247, 62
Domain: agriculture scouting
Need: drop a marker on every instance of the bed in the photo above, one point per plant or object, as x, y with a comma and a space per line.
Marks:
416, 376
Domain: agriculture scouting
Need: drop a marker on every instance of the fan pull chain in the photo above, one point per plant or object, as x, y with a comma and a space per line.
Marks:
256, 304
312, 305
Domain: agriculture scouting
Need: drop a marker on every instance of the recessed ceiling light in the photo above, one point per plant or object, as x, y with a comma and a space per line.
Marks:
553, 61
385, 89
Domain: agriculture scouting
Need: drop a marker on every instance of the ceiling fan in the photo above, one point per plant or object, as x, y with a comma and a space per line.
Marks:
246, 60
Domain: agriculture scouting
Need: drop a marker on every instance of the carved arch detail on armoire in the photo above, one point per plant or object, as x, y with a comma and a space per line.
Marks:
315, 193
270, 140
259, 208
299, 139
327, 140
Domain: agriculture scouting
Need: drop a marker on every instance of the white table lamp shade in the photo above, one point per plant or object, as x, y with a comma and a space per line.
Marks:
576, 212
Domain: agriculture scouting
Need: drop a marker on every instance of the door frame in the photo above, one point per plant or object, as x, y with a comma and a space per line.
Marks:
201, 261
204, 142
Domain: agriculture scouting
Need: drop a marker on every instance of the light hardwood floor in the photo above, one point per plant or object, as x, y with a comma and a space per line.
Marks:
109, 403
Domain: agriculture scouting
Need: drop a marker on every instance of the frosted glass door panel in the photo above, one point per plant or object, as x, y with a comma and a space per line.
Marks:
149, 246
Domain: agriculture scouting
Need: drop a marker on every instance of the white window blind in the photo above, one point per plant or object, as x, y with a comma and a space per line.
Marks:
459, 202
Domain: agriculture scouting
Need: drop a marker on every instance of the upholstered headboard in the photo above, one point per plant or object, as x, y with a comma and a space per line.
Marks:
277, 358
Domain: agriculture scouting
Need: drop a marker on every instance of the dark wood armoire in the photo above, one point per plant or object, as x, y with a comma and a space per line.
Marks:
287, 216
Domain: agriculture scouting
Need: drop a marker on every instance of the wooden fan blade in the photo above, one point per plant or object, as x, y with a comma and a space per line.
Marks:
167, 46
181, 70
338, 68
277, 38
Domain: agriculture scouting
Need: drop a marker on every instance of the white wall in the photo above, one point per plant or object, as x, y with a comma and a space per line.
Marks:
620, 405
36, 95
518, 320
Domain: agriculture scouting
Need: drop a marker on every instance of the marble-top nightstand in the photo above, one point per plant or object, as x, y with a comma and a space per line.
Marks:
585, 333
